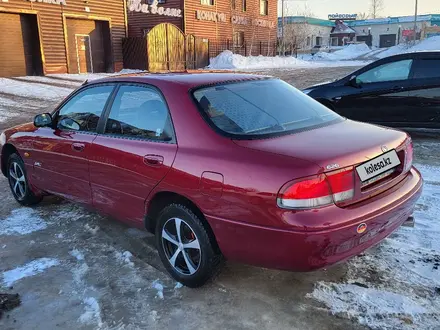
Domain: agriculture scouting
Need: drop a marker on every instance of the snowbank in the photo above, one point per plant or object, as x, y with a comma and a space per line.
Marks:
432, 43
229, 60
347, 53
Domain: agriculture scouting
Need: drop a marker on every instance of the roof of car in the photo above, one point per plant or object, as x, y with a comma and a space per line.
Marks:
189, 78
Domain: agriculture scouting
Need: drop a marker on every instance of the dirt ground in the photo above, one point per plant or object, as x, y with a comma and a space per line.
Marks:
86, 271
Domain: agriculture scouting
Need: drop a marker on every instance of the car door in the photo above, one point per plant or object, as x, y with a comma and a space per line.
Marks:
424, 96
380, 94
61, 152
133, 153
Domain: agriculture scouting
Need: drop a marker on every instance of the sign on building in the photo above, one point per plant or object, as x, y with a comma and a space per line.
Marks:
343, 17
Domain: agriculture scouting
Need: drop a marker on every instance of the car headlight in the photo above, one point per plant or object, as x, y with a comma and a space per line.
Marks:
307, 91
2, 139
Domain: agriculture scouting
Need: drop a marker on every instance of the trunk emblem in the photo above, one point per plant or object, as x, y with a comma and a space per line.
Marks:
361, 228
384, 148
332, 166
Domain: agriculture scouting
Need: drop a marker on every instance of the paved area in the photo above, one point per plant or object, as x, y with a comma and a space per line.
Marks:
75, 269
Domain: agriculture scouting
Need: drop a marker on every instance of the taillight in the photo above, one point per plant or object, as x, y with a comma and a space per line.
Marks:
408, 155
318, 191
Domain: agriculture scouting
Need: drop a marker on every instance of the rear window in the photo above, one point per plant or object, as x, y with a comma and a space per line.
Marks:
263, 107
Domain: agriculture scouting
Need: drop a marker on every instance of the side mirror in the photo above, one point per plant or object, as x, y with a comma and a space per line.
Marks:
43, 120
354, 82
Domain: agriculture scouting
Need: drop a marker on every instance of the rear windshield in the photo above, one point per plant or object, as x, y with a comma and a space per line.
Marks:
263, 107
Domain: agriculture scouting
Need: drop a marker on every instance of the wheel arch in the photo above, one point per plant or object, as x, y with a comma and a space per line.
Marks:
163, 198
7, 150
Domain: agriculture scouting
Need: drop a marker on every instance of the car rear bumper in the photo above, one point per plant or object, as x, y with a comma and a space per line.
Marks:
310, 250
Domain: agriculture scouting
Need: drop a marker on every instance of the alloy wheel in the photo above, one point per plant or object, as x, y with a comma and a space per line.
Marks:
17, 180
181, 246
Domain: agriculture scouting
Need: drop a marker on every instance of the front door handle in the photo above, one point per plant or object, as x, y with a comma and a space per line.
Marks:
78, 147
153, 160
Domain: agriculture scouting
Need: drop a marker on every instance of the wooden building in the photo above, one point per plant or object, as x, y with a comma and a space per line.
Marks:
247, 27
61, 36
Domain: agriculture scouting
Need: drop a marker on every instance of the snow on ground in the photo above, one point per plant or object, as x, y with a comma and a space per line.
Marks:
159, 287
406, 293
228, 60
92, 315
432, 43
30, 269
347, 53
22, 221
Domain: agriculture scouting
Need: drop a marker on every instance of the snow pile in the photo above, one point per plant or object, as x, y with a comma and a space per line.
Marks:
92, 315
347, 53
229, 60
32, 268
432, 43
77, 254
395, 285
124, 258
159, 287
22, 221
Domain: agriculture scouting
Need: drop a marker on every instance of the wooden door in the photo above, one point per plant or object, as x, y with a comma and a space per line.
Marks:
83, 53
202, 52
190, 52
12, 55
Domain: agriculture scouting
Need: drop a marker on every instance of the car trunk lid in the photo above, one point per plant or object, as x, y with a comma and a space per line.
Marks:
342, 145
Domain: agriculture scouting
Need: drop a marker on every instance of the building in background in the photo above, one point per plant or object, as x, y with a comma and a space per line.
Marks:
61, 36
304, 33
341, 34
389, 31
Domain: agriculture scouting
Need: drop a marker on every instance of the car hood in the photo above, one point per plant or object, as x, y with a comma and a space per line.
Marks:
345, 143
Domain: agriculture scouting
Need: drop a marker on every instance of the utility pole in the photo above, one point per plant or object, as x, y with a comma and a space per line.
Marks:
415, 23
282, 28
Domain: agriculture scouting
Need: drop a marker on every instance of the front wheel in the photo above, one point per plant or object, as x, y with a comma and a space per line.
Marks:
19, 183
185, 246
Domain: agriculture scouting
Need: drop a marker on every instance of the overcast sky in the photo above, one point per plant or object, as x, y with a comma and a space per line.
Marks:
321, 8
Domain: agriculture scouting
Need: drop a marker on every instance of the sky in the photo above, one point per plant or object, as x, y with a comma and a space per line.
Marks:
321, 8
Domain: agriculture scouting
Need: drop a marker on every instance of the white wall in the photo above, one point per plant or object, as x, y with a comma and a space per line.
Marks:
305, 30
379, 29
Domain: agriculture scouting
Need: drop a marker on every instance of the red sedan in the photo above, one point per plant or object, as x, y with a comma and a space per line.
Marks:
219, 165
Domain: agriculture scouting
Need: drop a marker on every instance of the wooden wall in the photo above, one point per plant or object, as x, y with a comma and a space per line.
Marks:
50, 17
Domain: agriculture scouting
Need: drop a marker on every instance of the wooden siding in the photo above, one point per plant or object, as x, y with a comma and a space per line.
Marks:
52, 28
138, 22
12, 53
219, 31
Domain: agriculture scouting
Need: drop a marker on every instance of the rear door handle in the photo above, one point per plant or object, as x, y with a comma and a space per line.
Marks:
153, 160
78, 147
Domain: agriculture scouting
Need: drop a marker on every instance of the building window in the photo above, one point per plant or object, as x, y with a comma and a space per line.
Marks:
334, 41
207, 2
318, 41
233, 4
238, 39
263, 7
243, 5
308, 41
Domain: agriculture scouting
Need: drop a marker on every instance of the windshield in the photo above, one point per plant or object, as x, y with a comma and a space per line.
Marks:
262, 107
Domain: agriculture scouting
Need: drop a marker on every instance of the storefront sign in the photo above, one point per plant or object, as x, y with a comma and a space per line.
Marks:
204, 15
263, 23
55, 2
344, 17
137, 6
241, 20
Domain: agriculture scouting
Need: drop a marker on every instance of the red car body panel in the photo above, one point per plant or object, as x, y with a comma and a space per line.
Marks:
234, 183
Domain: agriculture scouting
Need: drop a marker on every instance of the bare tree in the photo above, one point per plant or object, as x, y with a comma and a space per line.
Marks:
362, 16
376, 7
297, 33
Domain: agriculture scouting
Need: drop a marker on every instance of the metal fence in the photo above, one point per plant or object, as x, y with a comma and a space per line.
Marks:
246, 49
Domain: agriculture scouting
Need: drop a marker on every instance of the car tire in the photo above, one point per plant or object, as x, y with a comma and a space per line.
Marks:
19, 183
191, 257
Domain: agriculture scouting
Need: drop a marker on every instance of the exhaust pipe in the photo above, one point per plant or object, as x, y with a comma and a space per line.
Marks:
410, 222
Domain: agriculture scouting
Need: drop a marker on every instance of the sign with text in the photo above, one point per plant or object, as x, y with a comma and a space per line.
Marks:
343, 17
137, 6
263, 23
54, 2
241, 20
204, 15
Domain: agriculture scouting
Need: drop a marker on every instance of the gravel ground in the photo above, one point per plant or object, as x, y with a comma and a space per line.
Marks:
76, 269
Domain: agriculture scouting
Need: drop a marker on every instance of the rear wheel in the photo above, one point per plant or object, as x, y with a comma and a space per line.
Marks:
185, 247
19, 183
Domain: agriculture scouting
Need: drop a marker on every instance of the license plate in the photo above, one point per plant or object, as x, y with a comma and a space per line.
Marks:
378, 165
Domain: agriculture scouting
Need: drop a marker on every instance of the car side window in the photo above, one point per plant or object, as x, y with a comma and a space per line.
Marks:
393, 71
427, 68
139, 112
82, 112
